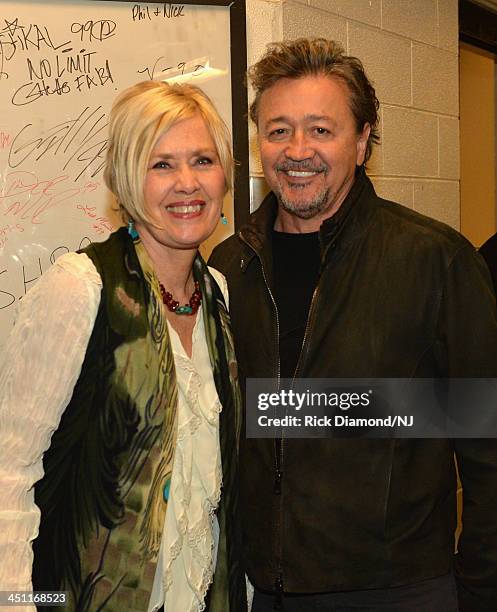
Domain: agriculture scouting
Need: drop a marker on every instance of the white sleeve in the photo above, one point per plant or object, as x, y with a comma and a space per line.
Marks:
38, 370
223, 285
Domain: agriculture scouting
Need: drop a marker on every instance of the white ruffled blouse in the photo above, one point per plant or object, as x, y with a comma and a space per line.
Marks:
39, 367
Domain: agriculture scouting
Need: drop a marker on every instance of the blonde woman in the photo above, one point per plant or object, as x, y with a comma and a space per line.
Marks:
119, 399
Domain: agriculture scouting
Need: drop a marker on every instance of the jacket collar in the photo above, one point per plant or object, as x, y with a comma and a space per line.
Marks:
354, 215
347, 225
257, 231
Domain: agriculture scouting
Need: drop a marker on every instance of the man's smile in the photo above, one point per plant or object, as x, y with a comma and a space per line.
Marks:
302, 173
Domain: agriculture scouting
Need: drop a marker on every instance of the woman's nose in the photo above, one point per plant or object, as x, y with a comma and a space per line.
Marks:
186, 180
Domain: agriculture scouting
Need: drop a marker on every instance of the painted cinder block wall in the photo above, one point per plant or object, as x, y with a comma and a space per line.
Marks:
410, 51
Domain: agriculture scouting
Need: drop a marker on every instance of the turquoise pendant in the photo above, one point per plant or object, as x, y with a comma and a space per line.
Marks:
173, 305
188, 310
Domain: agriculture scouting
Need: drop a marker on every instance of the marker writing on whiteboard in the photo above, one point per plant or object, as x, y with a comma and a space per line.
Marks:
98, 76
15, 281
5, 140
168, 11
160, 66
26, 197
79, 142
94, 30
16, 36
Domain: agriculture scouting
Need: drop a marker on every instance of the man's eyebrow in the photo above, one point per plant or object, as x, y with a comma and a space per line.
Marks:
318, 118
279, 119
311, 117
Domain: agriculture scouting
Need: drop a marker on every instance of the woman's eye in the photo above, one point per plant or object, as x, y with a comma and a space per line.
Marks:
204, 161
161, 165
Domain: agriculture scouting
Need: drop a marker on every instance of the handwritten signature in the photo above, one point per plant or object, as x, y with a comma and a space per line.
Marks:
160, 67
26, 197
16, 37
79, 143
32, 91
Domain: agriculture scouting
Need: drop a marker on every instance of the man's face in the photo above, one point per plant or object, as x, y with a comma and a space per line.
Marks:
309, 148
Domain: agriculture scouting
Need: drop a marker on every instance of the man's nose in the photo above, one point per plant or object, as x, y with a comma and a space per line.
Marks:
299, 147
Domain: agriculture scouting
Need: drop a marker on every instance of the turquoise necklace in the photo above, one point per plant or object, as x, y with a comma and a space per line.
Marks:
173, 305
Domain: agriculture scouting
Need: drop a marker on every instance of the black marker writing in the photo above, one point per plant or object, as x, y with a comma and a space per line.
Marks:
80, 142
160, 66
95, 30
168, 11
5, 302
32, 91
61, 64
16, 37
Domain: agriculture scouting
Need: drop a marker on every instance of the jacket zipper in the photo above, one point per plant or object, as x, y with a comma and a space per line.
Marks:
279, 447
306, 332
278, 451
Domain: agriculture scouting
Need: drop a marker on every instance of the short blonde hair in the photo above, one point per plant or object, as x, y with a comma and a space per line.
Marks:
141, 115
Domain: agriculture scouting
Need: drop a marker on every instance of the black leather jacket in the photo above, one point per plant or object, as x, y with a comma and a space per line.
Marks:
399, 295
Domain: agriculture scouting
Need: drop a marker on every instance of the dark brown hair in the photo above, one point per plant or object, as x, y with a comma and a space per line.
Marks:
313, 57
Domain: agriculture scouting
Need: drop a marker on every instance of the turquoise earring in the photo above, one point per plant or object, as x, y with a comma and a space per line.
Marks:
131, 229
224, 221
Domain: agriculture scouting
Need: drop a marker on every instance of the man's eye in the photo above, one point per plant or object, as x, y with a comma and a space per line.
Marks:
321, 130
278, 133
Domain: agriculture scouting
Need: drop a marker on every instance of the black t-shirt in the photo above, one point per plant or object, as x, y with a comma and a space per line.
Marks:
296, 259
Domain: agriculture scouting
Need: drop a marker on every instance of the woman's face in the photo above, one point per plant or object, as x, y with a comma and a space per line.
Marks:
184, 186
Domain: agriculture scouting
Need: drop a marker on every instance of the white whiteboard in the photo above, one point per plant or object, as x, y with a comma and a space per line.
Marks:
61, 66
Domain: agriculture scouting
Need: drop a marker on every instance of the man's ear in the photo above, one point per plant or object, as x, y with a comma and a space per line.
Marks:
362, 142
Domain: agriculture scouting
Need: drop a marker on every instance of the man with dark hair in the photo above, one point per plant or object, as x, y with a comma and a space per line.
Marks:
328, 280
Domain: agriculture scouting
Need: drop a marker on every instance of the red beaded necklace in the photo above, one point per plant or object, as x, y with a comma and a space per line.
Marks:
173, 305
